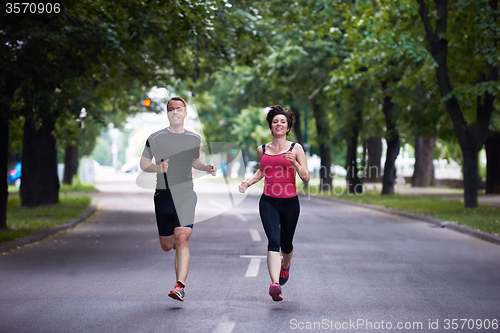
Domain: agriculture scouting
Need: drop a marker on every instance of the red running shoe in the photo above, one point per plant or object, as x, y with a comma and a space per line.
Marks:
178, 293
284, 274
275, 292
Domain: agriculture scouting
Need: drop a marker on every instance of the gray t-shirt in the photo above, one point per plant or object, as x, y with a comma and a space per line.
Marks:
180, 149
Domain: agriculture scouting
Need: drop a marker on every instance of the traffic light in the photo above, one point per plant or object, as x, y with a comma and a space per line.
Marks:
146, 102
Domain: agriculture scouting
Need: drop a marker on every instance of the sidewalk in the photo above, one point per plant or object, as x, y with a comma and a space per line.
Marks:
442, 192
448, 193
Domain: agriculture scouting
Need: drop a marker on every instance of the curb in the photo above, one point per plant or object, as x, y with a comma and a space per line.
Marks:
443, 224
44, 233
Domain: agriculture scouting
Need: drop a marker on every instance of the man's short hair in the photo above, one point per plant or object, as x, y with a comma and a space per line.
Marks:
176, 98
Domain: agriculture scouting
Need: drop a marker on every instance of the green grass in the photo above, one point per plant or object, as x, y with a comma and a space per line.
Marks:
24, 221
75, 187
485, 218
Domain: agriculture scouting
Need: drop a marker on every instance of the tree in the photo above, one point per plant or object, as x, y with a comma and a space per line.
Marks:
7, 86
100, 41
372, 146
393, 142
481, 25
423, 174
323, 138
354, 126
378, 62
493, 163
302, 54
425, 120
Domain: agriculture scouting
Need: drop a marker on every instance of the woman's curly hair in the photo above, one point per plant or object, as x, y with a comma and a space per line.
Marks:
276, 110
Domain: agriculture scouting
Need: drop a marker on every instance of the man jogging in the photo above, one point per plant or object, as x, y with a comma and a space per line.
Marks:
175, 151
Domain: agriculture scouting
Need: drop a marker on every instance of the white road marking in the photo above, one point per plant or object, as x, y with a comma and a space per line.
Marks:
225, 327
255, 235
242, 217
251, 256
213, 202
253, 267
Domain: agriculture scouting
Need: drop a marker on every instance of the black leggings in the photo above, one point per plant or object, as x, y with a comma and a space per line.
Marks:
279, 218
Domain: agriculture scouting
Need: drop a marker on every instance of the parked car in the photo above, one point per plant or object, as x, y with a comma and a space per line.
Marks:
338, 171
132, 166
14, 175
251, 168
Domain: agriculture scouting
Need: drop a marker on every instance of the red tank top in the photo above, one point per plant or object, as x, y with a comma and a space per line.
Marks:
279, 175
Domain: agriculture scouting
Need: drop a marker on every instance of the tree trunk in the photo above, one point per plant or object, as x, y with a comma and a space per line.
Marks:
433, 173
39, 180
245, 153
296, 126
392, 139
354, 184
325, 175
492, 146
471, 176
4, 150
373, 172
70, 164
11, 84
423, 174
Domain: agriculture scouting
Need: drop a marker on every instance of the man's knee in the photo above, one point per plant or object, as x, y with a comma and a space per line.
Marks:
181, 237
181, 240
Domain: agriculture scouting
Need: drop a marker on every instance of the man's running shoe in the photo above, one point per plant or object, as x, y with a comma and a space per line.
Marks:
178, 293
284, 274
275, 292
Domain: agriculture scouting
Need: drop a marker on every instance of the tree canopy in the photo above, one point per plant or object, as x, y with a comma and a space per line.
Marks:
349, 70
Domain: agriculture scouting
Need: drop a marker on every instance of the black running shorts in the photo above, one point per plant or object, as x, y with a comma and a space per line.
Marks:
172, 212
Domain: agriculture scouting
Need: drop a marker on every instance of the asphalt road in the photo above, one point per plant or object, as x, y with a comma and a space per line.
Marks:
354, 269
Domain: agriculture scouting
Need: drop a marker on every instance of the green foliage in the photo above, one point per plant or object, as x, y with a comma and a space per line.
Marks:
16, 138
77, 186
251, 128
102, 152
448, 150
383, 41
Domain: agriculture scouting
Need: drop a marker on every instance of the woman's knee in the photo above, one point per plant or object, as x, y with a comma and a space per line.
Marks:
287, 248
273, 245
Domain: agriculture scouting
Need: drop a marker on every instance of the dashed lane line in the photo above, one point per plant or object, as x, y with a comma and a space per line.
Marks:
225, 327
253, 267
255, 235
252, 256
242, 217
216, 203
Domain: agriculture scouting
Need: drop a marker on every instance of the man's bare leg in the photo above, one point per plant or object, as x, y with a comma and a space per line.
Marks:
167, 242
182, 255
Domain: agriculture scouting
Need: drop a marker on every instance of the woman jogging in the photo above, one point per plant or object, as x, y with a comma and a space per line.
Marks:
279, 206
